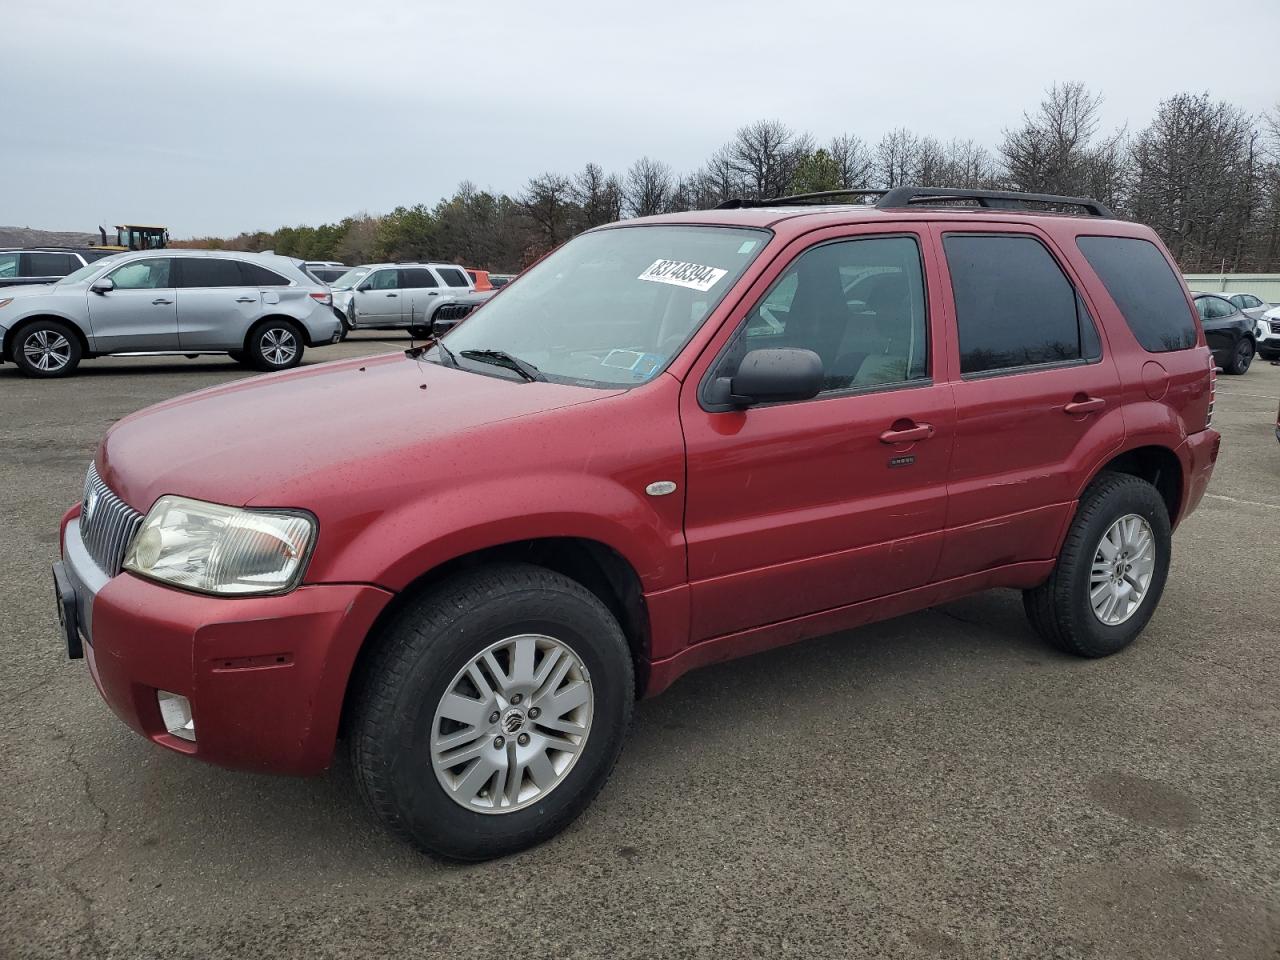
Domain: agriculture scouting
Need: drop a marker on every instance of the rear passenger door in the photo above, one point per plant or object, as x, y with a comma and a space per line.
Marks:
421, 293
216, 303
1037, 396
377, 299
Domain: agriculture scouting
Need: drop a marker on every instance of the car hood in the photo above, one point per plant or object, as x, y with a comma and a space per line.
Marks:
22, 291
314, 430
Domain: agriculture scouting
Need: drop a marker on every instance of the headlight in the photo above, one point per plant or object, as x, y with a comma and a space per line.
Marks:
210, 548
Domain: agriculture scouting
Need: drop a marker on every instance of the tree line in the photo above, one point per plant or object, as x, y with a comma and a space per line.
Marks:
1204, 173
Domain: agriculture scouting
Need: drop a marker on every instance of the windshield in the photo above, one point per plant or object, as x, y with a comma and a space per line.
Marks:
350, 278
88, 270
612, 308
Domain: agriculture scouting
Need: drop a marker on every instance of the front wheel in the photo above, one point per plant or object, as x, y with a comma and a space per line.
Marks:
1240, 358
492, 712
1111, 570
274, 345
47, 349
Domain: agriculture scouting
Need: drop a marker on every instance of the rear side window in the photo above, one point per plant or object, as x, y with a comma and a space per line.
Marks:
1146, 290
258, 276
1014, 305
415, 278
49, 264
1214, 308
209, 272
8, 265
453, 277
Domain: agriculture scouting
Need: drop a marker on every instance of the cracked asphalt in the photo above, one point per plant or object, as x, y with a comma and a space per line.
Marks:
940, 785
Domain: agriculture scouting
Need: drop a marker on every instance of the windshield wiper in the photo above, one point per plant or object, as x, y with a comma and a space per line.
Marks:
501, 358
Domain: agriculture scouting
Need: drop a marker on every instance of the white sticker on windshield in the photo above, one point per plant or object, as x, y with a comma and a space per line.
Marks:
681, 274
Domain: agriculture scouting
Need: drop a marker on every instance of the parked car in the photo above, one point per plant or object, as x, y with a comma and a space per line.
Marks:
1232, 335
260, 309
391, 296
326, 270
1268, 334
480, 279
500, 280
1248, 304
680, 439
37, 265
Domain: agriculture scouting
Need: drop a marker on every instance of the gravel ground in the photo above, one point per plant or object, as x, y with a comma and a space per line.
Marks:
941, 785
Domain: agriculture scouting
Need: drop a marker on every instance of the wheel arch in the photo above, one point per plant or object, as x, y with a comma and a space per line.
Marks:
1156, 464
595, 565
11, 335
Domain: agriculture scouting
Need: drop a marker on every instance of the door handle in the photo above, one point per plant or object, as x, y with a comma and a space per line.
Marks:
919, 431
1088, 405
159, 300
393, 294
433, 294
246, 299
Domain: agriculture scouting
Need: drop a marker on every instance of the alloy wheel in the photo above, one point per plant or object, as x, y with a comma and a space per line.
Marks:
512, 724
47, 350
1123, 565
279, 346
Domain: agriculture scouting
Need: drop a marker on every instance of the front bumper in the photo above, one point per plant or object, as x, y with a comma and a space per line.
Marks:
265, 676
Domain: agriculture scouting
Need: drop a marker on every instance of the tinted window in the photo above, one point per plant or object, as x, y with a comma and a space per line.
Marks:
417, 277
256, 275
1144, 287
91, 255
384, 280
8, 265
142, 274
209, 272
1014, 305
49, 264
453, 277
858, 304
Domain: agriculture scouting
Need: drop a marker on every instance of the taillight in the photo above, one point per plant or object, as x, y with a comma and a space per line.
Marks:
326, 298
1213, 391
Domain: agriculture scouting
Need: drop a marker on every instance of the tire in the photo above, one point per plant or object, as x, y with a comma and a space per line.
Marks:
1060, 609
274, 345
420, 333
1241, 357
47, 349
346, 325
426, 653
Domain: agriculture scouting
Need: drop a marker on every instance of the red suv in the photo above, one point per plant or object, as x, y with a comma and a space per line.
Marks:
677, 440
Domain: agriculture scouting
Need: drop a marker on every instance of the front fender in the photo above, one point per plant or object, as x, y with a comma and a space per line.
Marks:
396, 547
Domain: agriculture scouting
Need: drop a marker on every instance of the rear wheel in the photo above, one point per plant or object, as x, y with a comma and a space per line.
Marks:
274, 345
492, 713
1111, 570
47, 349
1240, 358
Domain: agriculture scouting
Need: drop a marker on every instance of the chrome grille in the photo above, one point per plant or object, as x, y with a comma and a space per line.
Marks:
1275, 326
107, 523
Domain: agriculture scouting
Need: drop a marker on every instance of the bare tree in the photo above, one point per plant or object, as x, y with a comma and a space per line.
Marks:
599, 197
852, 160
897, 159
649, 185
1053, 150
764, 157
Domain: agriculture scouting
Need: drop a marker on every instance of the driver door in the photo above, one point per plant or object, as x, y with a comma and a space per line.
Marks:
140, 313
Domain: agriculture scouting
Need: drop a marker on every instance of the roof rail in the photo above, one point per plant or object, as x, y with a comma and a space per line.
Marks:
900, 197
737, 203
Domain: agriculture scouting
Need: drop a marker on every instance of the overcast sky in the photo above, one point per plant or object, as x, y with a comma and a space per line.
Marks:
218, 117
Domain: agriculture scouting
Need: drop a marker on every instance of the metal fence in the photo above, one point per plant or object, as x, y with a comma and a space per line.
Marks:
1264, 286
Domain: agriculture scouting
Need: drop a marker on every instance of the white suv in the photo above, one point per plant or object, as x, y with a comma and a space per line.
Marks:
388, 296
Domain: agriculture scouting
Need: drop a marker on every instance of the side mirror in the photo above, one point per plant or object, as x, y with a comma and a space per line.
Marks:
768, 376
105, 285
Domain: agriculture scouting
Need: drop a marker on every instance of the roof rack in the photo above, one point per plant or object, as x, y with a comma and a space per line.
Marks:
900, 197
736, 203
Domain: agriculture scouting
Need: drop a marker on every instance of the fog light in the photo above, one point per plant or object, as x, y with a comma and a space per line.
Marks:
175, 709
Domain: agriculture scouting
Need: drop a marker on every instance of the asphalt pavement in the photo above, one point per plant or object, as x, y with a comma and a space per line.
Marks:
940, 785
